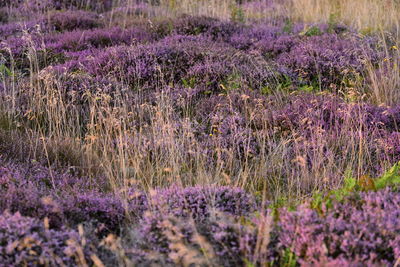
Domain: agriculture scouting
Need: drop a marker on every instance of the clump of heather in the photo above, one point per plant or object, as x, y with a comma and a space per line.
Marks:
17, 28
326, 60
53, 48
245, 125
193, 204
274, 39
72, 20
211, 27
223, 238
56, 21
65, 199
92, 207
316, 130
247, 37
28, 50
144, 65
105, 211
310, 55
228, 126
362, 229
43, 5
328, 111
97, 5
28, 241
196, 201
27, 3
181, 60
309, 118
97, 38
389, 146
20, 195
29, 190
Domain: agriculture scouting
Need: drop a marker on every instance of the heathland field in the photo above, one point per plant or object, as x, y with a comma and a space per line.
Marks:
199, 133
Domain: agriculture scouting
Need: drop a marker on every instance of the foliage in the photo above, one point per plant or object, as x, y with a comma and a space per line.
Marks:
151, 130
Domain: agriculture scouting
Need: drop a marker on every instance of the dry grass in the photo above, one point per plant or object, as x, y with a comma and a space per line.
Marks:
384, 79
159, 154
364, 15
213, 8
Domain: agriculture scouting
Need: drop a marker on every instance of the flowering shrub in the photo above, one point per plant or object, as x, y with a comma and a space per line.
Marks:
72, 20
59, 21
99, 5
311, 116
98, 38
247, 37
362, 229
34, 195
27, 241
225, 239
211, 27
54, 48
176, 60
318, 59
326, 59
227, 124
108, 212
17, 28
196, 201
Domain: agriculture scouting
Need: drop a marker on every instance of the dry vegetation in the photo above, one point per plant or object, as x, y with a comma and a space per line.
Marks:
181, 132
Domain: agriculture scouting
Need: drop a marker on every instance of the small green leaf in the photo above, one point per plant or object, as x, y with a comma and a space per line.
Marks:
306, 88
312, 31
289, 259
391, 177
5, 70
288, 28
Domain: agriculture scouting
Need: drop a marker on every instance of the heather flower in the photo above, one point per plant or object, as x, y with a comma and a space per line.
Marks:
54, 48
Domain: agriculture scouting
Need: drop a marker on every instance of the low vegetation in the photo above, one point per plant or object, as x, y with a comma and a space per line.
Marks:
199, 133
